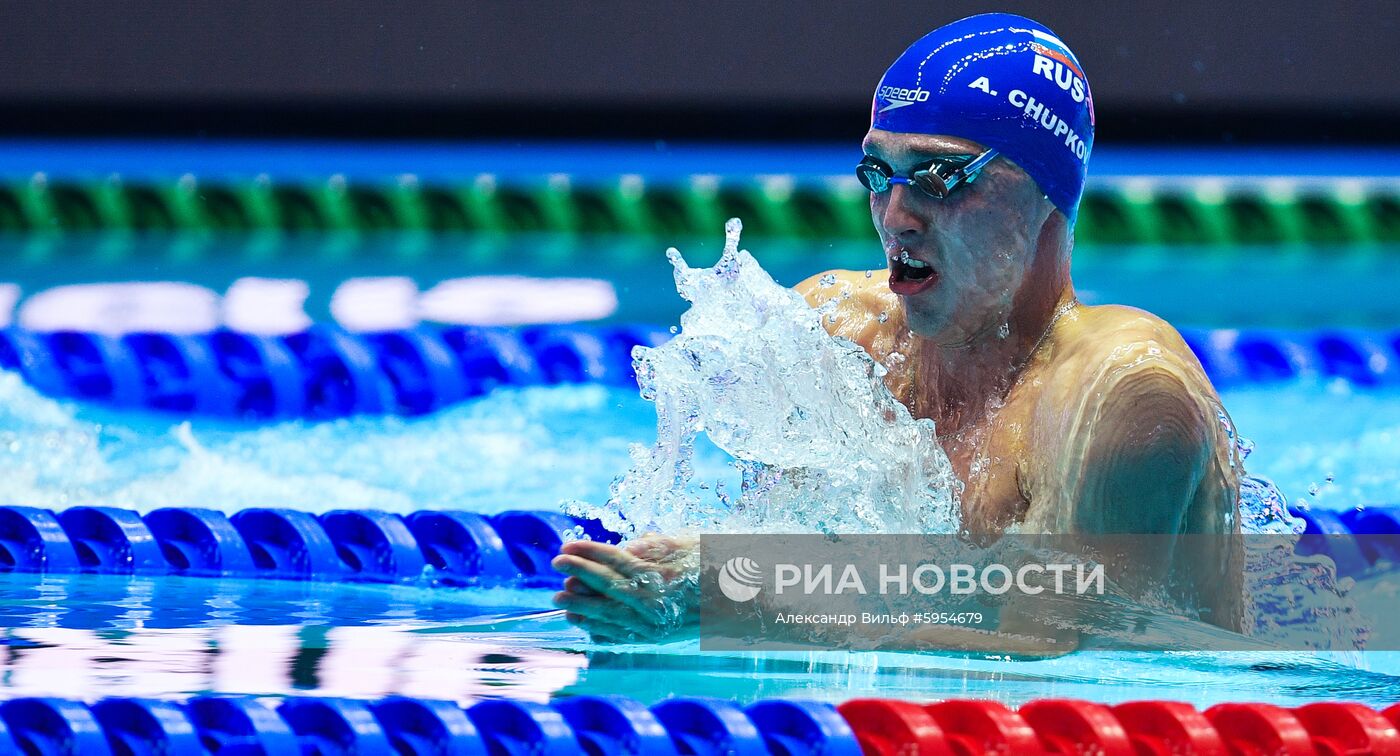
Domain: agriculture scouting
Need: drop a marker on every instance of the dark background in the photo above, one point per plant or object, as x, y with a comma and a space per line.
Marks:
1219, 72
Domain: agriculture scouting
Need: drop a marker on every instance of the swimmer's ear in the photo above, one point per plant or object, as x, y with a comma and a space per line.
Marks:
1054, 244
1055, 229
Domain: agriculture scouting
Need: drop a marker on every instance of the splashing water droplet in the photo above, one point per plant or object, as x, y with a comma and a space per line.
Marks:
820, 443
1004, 330
827, 280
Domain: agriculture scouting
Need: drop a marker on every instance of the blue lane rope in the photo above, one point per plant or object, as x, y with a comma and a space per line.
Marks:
326, 372
619, 726
440, 548
511, 548
402, 725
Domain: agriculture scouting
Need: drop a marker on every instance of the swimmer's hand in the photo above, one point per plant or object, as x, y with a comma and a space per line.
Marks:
643, 591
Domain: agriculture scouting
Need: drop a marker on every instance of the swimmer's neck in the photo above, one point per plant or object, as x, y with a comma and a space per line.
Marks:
958, 383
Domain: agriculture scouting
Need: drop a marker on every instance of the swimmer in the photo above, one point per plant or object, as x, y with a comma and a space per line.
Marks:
1058, 417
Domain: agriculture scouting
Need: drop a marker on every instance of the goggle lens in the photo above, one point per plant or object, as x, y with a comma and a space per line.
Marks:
936, 178
934, 184
873, 178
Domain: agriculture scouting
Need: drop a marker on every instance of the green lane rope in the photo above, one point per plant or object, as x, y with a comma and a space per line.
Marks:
1207, 213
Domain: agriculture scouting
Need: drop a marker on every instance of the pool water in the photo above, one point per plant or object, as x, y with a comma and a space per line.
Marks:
1326, 444
134, 636
91, 635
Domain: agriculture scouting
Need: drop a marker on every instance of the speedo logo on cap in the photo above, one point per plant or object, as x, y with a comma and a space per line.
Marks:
899, 98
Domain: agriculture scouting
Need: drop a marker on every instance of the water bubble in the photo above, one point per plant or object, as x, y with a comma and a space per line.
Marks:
883, 316
869, 273
1003, 330
575, 533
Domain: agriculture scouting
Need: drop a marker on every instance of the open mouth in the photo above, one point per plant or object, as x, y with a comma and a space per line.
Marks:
909, 275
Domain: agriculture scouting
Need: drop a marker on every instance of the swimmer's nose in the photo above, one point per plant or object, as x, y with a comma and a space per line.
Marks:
899, 216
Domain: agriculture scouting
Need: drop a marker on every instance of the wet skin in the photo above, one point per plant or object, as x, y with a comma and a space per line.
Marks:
1057, 417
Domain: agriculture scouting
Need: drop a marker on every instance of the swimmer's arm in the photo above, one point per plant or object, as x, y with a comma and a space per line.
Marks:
1132, 466
1145, 470
1128, 461
1134, 462
1138, 468
1147, 451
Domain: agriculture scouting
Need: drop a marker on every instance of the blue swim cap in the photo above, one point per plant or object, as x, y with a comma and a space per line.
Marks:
1003, 81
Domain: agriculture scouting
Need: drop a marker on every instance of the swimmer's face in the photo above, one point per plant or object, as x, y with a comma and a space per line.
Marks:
968, 255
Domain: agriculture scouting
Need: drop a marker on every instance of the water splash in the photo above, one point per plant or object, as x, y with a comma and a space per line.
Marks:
820, 443
1292, 599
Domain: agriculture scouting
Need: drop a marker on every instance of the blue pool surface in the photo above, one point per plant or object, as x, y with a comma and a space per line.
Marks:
1325, 444
1329, 445
90, 635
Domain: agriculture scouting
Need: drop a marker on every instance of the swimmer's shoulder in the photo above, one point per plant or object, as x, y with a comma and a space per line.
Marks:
1117, 337
866, 311
1126, 366
1121, 398
867, 289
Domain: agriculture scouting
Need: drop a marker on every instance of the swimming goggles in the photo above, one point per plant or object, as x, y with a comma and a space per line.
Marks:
937, 177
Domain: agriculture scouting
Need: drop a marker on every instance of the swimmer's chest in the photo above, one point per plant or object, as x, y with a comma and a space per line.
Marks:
990, 458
